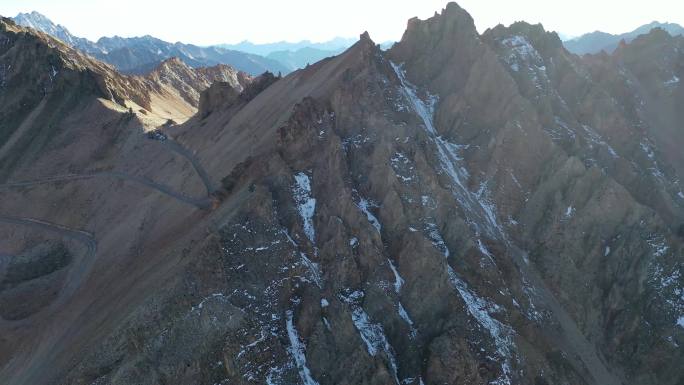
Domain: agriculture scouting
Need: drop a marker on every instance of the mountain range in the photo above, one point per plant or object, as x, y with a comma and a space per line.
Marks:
461, 208
335, 45
139, 55
598, 41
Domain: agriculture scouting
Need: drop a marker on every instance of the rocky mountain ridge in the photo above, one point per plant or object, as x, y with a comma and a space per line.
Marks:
462, 208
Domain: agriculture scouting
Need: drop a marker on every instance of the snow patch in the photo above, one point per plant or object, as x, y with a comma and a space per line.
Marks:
398, 281
364, 205
483, 249
480, 309
372, 334
569, 212
306, 204
523, 54
672, 81
298, 350
404, 315
595, 138
314, 269
658, 246
433, 234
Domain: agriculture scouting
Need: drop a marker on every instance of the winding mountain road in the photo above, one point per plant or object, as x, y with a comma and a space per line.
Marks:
80, 268
202, 202
190, 156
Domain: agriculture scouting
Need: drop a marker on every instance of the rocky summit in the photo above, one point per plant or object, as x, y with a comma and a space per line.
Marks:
462, 208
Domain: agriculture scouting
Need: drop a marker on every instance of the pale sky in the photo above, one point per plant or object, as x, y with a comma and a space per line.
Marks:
207, 22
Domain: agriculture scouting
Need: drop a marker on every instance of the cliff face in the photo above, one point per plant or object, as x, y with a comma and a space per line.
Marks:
463, 208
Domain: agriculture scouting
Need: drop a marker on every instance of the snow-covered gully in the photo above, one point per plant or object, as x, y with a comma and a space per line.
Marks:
372, 334
479, 210
298, 350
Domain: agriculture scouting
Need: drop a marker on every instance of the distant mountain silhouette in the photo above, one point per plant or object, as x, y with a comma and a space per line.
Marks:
337, 44
595, 42
302, 57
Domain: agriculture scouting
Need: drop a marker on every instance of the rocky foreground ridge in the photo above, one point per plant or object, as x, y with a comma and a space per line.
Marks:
463, 208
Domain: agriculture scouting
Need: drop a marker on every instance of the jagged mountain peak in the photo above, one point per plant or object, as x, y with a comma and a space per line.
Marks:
38, 21
365, 36
536, 33
452, 21
438, 48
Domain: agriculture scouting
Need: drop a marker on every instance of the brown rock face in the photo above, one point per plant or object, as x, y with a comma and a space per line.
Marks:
226, 95
461, 209
218, 94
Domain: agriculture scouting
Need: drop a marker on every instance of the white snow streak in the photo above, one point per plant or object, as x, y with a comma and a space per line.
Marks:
314, 269
569, 211
305, 203
364, 206
398, 281
298, 351
480, 212
404, 315
480, 308
672, 81
372, 334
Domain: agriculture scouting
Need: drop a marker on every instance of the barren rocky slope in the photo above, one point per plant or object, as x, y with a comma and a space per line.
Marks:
461, 209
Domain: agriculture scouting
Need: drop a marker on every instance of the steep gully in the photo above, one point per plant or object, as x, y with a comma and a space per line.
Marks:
480, 215
85, 263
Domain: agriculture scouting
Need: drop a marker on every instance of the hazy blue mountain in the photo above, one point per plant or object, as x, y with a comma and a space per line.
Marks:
302, 57
387, 45
142, 54
337, 44
308, 54
595, 42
